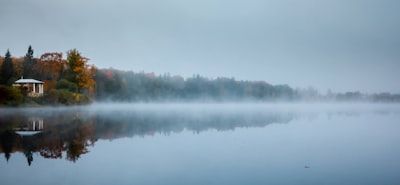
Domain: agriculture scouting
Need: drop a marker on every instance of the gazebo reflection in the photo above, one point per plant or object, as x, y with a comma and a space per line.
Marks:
34, 125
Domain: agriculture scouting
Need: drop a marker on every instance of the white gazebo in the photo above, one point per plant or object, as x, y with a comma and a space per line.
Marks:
32, 86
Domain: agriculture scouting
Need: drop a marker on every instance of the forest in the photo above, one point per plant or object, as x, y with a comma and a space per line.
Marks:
73, 81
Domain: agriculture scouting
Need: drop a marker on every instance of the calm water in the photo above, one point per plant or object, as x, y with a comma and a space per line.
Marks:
201, 144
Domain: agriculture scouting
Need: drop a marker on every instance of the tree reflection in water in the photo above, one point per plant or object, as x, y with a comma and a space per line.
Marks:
70, 131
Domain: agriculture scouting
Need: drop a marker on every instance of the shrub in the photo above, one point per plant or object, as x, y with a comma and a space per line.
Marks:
67, 85
64, 97
10, 96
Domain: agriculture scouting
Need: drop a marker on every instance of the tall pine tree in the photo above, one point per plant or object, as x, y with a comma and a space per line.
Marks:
7, 70
28, 64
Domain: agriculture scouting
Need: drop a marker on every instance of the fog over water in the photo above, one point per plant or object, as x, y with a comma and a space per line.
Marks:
214, 143
211, 92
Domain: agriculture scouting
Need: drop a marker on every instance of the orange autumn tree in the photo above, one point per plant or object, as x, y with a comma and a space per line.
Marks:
52, 65
80, 72
50, 68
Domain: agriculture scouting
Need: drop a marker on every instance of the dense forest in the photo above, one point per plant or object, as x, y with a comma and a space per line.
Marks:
116, 85
72, 80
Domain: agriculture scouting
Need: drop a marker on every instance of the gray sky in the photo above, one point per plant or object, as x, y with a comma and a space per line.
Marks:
345, 45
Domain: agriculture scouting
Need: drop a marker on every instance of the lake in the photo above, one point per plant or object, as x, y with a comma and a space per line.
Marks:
201, 144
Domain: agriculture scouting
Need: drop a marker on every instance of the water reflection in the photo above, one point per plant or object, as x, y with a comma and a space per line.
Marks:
270, 144
70, 132
57, 133
33, 125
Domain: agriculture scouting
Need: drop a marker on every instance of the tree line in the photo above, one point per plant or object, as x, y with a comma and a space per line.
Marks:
116, 85
72, 80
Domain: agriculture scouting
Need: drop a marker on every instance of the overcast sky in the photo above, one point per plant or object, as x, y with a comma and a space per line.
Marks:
345, 45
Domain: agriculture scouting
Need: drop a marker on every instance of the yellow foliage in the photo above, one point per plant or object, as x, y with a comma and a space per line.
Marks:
83, 73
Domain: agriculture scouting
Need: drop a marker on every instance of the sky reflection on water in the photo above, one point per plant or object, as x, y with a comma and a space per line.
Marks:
218, 144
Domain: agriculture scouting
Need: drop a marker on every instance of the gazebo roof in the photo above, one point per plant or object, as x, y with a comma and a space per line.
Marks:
28, 133
24, 81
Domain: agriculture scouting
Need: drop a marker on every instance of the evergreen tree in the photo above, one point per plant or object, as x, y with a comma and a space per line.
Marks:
29, 54
7, 70
29, 63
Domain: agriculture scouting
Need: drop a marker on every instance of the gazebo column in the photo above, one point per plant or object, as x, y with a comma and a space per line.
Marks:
41, 88
41, 124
